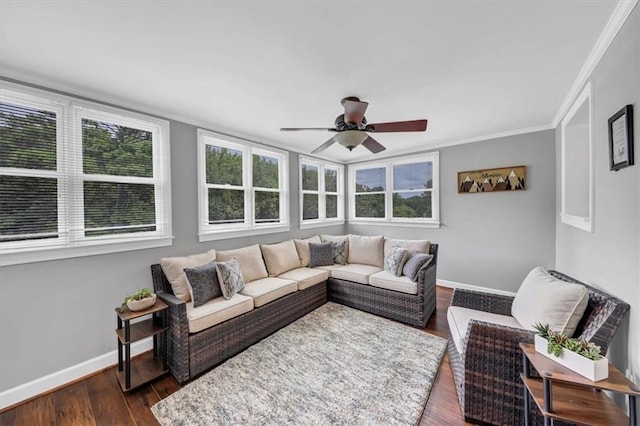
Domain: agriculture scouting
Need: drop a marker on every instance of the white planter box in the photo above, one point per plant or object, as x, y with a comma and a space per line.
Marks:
592, 370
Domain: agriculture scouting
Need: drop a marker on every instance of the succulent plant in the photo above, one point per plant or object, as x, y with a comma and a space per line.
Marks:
139, 295
558, 341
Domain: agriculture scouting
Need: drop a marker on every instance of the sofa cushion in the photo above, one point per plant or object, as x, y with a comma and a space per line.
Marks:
459, 317
306, 277
216, 311
173, 268
339, 257
544, 299
366, 250
281, 257
302, 246
337, 239
328, 268
355, 272
411, 245
204, 283
395, 260
385, 279
415, 263
230, 277
320, 254
250, 258
268, 289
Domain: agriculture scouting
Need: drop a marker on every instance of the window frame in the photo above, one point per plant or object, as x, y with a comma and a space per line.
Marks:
388, 219
322, 193
249, 226
71, 241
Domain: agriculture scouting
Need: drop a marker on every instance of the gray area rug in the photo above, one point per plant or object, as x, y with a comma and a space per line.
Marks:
336, 365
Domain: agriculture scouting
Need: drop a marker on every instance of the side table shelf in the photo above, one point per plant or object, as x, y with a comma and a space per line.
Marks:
138, 371
563, 395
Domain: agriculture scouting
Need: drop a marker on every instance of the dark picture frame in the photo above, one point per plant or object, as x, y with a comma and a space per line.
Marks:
621, 139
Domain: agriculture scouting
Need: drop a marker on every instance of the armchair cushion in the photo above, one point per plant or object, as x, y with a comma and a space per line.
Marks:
458, 319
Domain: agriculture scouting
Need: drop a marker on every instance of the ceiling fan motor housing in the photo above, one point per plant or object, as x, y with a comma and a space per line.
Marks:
342, 125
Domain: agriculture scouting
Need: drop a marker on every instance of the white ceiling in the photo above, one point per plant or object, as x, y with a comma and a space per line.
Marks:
473, 68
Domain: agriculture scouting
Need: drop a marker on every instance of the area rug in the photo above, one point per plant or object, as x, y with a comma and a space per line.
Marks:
336, 365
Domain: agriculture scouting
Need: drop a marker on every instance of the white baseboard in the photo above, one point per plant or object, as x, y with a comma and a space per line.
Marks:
453, 284
59, 378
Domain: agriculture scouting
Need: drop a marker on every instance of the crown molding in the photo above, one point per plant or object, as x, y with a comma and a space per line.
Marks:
611, 29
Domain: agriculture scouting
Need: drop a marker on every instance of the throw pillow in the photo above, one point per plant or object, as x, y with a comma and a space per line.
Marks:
230, 278
339, 256
337, 239
416, 262
366, 250
320, 254
250, 259
395, 260
281, 257
173, 268
204, 283
544, 299
302, 246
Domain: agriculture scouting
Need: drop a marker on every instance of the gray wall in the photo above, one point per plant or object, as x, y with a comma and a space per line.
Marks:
56, 314
492, 239
609, 258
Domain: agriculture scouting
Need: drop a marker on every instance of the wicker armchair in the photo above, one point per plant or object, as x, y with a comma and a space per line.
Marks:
487, 373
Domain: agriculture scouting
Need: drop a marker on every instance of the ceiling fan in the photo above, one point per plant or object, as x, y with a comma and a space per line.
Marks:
351, 128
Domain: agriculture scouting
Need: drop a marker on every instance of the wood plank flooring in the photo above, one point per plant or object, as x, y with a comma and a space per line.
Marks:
97, 400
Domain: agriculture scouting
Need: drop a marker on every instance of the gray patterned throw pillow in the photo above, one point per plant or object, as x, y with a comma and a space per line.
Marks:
230, 277
204, 283
339, 256
320, 254
395, 259
416, 262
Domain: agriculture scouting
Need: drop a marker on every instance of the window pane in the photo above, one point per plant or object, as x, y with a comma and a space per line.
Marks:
224, 165
27, 137
370, 180
226, 206
267, 207
309, 177
412, 204
310, 206
330, 180
370, 205
265, 172
332, 206
120, 207
111, 149
28, 207
413, 176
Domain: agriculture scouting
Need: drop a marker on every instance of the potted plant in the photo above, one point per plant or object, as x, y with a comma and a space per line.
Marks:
585, 358
138, 301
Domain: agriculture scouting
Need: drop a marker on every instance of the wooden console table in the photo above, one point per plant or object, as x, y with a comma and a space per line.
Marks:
574, 398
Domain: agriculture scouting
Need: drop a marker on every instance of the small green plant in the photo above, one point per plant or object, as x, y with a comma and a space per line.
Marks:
141, 294
558, 341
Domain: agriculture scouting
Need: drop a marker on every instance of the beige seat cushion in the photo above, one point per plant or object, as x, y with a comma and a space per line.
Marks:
411, 245
366, 250
250, 259
458, 319
355, 272
281, 257
329, 268
337, 239
216, 311
306, 277
385, 279
302, 246
173, 268
268, 289
546, 300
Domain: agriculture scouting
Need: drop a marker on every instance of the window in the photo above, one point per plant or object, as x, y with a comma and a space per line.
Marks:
243, 188
396, 191
78, 178
321, 194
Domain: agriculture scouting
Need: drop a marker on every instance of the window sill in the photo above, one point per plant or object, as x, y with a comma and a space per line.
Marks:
433, 225
312, 225
238, 233
31, 255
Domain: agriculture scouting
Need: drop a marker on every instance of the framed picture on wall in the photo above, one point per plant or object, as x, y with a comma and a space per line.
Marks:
621, 138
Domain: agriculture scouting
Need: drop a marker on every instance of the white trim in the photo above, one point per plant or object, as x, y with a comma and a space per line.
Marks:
616, 21
312, 225
225, 235
453, 284
408, 224
65, 376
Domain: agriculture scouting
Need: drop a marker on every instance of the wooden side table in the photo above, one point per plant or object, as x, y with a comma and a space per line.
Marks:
574, 398
136, 372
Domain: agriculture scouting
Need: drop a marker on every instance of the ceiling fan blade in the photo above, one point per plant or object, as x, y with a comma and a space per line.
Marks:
398, 126
373, 145
294, 129
324, 146
354, 111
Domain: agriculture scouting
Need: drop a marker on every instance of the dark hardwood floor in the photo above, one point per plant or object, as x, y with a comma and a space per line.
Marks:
98, 400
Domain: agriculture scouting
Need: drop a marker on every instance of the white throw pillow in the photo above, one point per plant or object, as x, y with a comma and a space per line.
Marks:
302, 246
546, 300
173, 268
281, 257
250, 260
366, 250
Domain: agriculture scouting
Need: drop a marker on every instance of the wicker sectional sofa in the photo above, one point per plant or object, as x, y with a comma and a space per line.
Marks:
280, 287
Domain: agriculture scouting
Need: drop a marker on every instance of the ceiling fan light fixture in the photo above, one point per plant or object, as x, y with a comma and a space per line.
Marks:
351, 138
